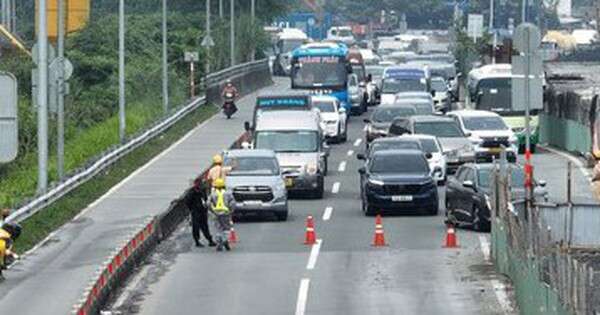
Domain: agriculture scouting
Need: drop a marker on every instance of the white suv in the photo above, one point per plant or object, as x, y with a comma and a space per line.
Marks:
333, 117
488, 132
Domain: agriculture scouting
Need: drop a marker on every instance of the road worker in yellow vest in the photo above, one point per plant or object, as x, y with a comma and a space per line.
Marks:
221, 208
8, 234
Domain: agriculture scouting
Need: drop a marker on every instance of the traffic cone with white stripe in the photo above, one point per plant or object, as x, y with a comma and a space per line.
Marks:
451, 239
379, 238
311, 236
233, 238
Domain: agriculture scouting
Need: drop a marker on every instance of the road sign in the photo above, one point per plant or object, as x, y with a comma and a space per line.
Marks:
527, 38
475, 26
53, 69
207, 41
9, 129
191, 56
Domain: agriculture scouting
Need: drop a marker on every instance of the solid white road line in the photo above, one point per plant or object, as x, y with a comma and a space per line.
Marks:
350, 152
342, 166
573, 159
357, 142
499, 287
327, 213
314, 254
302, 296
336, 188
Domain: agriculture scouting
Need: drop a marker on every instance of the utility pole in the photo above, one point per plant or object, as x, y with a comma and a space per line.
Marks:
122, 71
42, 97
221, 9
60, 119
165, 70
524, 11
232, 33
253, 19
491, 29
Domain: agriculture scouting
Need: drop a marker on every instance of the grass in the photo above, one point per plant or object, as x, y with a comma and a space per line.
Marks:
38, 226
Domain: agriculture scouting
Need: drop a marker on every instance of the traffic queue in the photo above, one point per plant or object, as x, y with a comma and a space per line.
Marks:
419, 146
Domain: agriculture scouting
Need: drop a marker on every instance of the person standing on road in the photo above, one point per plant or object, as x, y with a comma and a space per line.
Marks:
196, 203
217, 170
4, 213
221, 208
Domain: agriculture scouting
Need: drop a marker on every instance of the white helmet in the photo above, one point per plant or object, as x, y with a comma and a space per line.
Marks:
245, 145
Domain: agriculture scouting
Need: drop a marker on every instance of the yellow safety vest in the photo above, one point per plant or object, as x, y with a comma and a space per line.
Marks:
220, 207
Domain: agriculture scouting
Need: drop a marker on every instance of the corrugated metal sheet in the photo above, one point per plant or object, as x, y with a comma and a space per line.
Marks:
585, 231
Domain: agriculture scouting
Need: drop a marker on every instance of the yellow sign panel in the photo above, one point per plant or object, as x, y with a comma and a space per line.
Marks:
76, 16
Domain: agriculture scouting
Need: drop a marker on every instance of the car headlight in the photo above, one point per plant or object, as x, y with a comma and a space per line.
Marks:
331, 122
311, 169
476, 140
466, 149
488, 202
375, 182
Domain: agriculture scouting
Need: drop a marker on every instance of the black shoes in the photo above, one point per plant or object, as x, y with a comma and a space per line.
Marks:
212, 243
198, 244
226, 244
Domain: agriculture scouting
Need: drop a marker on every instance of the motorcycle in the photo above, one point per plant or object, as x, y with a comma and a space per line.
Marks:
229, 107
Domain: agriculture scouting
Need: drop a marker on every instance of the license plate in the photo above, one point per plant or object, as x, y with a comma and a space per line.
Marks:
289, 182
402, 198
252, 203
495, 150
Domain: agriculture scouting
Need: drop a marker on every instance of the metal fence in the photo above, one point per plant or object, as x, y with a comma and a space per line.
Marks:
552, 253
215, 81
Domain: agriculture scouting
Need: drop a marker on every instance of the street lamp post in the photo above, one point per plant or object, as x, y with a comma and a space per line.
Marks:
232, 33
42, 101
122, 70
165, 70
60, 117
207, 62
253, 19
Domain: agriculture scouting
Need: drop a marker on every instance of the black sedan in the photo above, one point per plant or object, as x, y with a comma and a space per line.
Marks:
381, 119
468, 194
398, 181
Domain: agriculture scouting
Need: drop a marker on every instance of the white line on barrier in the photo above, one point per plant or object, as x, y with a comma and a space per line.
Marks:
499, 287
327, 213
302, 296
357, 142
573, 159
314, 254
342, 166
350, 152
335, 188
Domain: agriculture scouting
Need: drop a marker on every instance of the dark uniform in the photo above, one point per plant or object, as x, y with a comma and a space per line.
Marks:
195, 202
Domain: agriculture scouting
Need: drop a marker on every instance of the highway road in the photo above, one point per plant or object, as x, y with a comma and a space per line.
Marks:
271, 272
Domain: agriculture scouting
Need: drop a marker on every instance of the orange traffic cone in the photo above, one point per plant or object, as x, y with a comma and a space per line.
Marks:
451, 239
233, 238
379, 239
311, 237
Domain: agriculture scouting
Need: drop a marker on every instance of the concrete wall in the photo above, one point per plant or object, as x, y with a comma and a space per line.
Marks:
565, 133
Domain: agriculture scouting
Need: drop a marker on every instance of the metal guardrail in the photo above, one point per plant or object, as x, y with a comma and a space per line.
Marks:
107, 160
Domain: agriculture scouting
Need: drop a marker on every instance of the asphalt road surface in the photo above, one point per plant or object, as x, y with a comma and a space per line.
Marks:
271, 272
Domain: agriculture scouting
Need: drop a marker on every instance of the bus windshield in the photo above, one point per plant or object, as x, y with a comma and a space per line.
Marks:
393, 86
288, 45
359, 71
321, 72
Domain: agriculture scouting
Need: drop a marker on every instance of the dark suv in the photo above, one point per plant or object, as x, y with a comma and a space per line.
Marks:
400, 181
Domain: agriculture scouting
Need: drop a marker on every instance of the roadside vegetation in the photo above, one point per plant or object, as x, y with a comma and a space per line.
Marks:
92, 105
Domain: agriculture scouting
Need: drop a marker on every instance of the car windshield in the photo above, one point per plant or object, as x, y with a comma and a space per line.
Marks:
375, 71
517, 177
429, 145
323, 72
444, 129
291, 44
344, 33
405, 163
484, 123
387, 114
288, 141
422, 108
324, 107
359, 71
252, 166
439, 85
394, 145
393, 86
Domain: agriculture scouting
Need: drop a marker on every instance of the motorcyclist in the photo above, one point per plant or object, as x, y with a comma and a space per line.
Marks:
229, 94
221, 208
8, 234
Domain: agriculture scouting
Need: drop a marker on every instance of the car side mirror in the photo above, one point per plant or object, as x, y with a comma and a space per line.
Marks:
367, 120
468, 184
247, 126
342, 110
362, 170
428, 155
468, 134
433, 93
361, 156
542, 183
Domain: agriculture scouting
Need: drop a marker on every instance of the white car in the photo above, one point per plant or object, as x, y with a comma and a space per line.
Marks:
437, 161
488, 132
334, 119
441, 99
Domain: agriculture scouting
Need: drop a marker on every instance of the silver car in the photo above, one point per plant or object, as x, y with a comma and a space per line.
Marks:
256, 183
